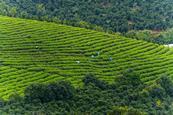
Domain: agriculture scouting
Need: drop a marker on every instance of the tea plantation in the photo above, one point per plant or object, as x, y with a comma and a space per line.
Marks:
41, 52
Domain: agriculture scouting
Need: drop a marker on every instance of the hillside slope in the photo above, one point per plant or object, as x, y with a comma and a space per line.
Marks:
33, 51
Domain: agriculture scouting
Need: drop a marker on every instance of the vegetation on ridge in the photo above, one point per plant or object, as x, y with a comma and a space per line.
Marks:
163, 37
132, 16
115, 15
126, 95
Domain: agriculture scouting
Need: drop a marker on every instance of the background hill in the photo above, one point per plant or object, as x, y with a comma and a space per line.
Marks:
114, 15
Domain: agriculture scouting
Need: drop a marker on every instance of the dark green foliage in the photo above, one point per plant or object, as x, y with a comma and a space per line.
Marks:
160, 37
126, 111
167, 84
50, 92
115, 15
90, 79
147, 35
157, 92
129, 77
127, 95
165, 37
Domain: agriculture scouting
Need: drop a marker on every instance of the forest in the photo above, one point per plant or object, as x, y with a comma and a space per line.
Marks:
111, 15
126, 95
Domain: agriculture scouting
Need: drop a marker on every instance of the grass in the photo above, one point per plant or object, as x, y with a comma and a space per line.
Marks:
33, 51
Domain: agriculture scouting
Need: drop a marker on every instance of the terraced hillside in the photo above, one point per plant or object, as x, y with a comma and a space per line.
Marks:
33, 51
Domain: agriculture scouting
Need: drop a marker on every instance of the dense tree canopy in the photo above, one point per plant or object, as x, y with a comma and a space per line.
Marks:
115, 15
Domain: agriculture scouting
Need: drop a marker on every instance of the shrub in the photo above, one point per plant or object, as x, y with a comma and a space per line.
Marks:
46, 93
91, 79
167, 84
